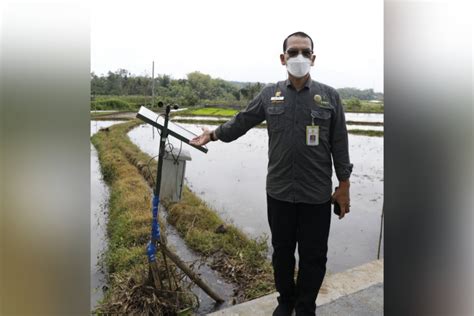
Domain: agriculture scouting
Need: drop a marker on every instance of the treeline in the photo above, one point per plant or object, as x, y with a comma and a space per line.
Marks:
366, 94
196, 89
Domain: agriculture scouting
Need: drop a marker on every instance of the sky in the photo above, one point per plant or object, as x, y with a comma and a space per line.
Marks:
239, 40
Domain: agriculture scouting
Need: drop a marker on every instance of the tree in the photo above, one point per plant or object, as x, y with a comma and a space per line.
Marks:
201, 84
251, 90
164, 80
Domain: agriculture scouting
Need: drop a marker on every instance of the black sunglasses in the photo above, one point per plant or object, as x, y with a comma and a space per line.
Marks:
293, 52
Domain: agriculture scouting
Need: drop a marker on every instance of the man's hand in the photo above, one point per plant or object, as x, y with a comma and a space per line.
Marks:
202, 139
341, 196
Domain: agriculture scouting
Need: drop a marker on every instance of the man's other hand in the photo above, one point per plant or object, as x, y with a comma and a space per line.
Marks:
202, 139
341, 196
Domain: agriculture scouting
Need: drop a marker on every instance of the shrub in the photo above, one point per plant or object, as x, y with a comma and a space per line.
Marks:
111, 104
353, 104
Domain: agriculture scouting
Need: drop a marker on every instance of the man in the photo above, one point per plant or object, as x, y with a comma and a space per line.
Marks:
306, 127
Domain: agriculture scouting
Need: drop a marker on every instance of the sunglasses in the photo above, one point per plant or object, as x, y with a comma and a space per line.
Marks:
293, 52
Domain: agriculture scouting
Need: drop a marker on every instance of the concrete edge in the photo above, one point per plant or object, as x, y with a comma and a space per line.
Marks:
334, 286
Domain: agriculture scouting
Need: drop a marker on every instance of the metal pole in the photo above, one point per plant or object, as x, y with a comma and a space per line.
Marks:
161, 154
380, 236
153, 85
155, 227
155, 239
152, 93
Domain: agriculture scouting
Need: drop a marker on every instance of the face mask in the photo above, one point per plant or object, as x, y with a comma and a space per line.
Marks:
298, 66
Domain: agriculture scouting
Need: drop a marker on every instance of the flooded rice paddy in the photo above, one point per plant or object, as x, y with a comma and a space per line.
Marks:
99, 199
99, 211
350, 117
356, 117
231, 179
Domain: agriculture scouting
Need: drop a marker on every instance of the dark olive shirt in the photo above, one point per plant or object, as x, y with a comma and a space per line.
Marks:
297, 172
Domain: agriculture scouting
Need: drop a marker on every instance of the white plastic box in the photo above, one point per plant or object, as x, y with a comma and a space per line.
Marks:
172, 179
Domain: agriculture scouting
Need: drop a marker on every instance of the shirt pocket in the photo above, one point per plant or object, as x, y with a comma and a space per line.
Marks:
321, 117
275, 118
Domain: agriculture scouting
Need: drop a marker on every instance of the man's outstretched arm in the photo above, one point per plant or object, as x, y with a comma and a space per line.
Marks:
237, 126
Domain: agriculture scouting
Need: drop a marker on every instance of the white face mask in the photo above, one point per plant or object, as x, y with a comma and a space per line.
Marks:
298, 66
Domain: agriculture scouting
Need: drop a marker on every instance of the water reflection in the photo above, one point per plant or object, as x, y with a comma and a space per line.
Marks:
99, 198
357, 117
365, 117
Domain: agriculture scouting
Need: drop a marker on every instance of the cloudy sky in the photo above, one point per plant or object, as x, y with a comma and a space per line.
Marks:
239, 40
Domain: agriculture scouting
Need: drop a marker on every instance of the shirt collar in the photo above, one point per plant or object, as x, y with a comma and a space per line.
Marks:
307, 84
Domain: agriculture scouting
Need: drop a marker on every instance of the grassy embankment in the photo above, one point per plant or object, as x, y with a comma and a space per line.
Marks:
366, 132
128, 231
238, 258
133, 102
106, 115
116, 102
216, 112
363, 107
225, 114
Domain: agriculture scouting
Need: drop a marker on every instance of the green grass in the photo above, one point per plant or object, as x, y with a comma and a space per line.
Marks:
366, 133
122, 102
239, 259
219, 112
128, 230
98, 116
364, 123
133, 102
365, 107
111, 104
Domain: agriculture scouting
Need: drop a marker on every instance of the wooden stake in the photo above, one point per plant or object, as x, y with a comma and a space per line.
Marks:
156, 275
193, 276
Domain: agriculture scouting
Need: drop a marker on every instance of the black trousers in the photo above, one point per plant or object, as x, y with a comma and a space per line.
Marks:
308, 226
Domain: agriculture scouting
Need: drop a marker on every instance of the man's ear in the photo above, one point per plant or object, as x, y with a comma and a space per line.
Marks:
282, 59
313, 59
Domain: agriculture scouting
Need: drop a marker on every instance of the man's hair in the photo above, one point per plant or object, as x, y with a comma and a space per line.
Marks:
299, 34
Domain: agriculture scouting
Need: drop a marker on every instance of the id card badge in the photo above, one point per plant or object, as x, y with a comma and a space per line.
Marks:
312, 135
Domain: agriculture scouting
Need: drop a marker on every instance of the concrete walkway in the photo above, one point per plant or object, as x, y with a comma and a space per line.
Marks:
367, 302
357, 291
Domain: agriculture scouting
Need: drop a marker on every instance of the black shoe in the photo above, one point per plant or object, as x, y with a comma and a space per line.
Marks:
308, 309
284, 308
